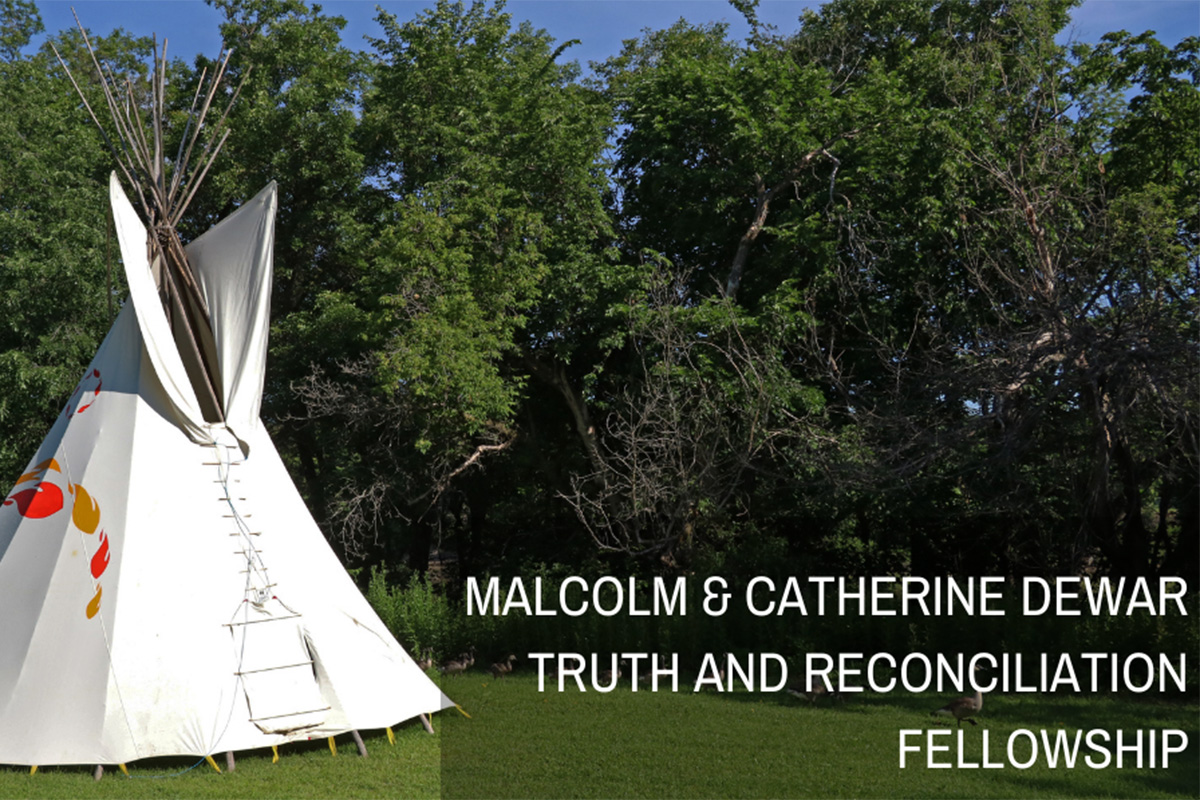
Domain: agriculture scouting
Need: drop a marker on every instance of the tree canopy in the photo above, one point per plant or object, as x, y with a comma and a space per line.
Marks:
911, 288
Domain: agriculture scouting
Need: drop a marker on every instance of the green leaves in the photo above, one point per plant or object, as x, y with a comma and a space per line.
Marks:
912, 280
54, 299
19, 22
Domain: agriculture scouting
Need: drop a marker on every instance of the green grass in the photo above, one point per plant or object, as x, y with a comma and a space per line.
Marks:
519, 743
410, 769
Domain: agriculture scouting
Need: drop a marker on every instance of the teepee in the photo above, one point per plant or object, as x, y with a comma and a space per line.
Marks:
165, 590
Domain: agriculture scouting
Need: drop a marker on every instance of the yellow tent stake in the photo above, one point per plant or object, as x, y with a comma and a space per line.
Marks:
124, 769
33, 770
391, 736
275, 756
212, 763
460, 710
332, 746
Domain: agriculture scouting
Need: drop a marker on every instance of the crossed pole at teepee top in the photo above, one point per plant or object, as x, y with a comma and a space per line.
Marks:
165, 189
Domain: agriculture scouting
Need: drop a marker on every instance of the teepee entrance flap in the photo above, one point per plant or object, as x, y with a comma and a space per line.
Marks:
277, 668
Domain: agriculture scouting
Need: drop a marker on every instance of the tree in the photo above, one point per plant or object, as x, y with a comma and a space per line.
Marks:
296, 122
999, 336
1013, 330
484, 195
19, 23
60, 277
708, 414
911, 288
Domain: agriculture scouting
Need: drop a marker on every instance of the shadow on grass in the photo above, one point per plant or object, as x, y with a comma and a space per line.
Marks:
1003, 714
523, 743
1126, 782
1024, 710
160, 770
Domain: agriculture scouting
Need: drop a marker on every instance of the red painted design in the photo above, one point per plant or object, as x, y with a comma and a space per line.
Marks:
44, 499
100, 559
39, 502
85, 394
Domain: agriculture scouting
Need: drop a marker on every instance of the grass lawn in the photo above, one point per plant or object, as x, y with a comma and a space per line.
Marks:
410, 769
519, 743
522, 744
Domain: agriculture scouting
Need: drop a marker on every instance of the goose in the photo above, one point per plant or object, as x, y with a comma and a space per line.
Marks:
714, 670
963, 707
814, 689
457, 666
811, 695
645, 675
502, 668
426, 659
812, 692
606, 677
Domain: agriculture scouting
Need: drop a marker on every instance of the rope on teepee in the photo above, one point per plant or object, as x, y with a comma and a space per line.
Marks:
66, 462
164, 189
225, 465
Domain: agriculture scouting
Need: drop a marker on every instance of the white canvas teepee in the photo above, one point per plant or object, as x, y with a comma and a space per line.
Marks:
164, 589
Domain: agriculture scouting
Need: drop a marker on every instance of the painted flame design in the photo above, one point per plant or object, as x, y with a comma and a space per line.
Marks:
93, 607
86, 511
100, 559
45, 498
38, 502
39, 471
41, 500
85, 394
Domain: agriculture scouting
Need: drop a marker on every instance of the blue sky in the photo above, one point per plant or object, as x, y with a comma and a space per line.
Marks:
600, 25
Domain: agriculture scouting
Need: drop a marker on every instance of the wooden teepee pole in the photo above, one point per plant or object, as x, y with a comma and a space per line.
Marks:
165, 190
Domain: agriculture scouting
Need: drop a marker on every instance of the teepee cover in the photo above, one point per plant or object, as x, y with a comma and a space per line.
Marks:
165, 590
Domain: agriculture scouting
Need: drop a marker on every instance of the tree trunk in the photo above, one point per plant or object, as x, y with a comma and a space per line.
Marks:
556, 376
762, 202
